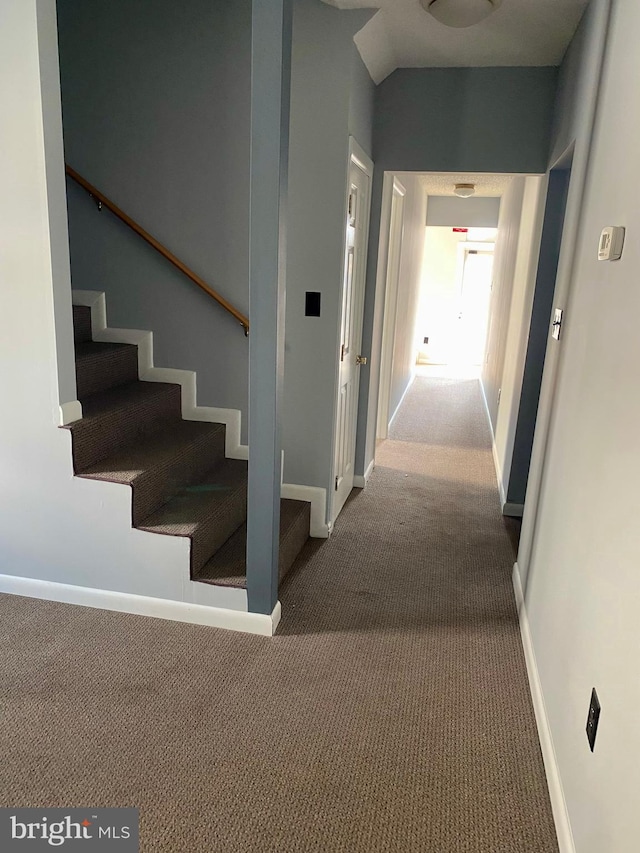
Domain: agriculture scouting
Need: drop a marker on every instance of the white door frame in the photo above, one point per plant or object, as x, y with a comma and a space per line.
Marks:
357, 156
395, 231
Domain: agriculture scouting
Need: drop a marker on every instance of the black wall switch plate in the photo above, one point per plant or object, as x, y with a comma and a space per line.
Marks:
311, 304
592, 719
426, 340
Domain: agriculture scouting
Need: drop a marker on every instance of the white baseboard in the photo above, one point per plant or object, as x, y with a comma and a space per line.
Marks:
554, 782
361, 482
70, 412
317, 497
159, 608
514, 510
231, 418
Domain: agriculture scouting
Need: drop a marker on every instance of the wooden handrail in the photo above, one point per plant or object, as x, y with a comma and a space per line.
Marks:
103, 200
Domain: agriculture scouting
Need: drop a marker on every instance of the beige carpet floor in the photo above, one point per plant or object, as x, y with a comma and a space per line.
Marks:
391, 712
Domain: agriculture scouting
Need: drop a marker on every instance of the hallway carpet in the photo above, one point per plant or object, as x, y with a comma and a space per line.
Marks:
391, 712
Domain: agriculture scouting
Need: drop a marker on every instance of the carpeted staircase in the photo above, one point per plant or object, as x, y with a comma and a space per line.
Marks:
132, 432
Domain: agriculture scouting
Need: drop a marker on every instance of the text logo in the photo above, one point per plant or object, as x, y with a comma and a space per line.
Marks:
69, 829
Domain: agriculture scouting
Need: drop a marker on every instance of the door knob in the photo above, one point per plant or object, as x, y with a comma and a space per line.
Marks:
361, 359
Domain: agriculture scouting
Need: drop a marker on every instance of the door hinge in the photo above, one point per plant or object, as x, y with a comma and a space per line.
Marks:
337, 479
556, 326
342, 353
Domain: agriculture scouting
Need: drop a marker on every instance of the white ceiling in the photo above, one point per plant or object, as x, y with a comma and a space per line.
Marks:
521, 32
486, 185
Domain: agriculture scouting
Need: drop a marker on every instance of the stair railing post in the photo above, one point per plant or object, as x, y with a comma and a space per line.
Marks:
270, 89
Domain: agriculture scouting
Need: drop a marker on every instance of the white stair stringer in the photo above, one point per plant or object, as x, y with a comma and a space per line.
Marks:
231, 418
147, 372
317, 497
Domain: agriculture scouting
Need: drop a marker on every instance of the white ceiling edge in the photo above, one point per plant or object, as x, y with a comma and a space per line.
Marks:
375, 49
488, 185
372, 41
402, 35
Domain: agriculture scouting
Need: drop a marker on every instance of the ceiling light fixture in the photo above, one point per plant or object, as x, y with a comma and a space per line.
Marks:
460, 13
464, 190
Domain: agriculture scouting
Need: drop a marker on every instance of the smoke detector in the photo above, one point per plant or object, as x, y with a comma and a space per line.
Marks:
464, 190
460, 13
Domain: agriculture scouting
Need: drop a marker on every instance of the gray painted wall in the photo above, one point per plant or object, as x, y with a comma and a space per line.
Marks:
463, 212
330, 97
504, 265
497, 119
404, 353
538, 334
447, 120
361, 99
575, 90
156, 102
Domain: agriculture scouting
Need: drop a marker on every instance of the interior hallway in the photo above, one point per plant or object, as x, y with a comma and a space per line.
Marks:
390, 713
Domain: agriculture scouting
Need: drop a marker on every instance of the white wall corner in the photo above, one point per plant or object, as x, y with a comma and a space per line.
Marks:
360, 481
276, 616
554, 782
317, 497
70, 412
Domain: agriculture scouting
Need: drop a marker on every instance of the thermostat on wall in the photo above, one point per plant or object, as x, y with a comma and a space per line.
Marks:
611, 242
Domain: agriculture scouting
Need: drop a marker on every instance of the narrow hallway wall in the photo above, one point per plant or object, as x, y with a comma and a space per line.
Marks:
516, 335
504, 266
331, 98
583, 586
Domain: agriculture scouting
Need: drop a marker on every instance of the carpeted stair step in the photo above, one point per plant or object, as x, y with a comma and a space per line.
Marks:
160, 465
81, 323
208, 512
227, 567
121, 416
101, 365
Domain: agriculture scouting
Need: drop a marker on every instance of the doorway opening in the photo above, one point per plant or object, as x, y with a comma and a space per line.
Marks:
454, 299
435, 274
471, 308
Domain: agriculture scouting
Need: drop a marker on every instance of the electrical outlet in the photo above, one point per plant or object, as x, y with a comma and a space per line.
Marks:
426, 340
592, 719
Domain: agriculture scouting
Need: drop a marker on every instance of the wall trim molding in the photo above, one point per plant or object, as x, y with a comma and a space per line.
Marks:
554, 781
70, 412
512, 509
142, 605
317, 497
360, 481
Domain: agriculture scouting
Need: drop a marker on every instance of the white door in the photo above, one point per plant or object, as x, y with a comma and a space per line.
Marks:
473, 307
389, 322
349, 355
